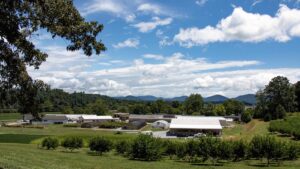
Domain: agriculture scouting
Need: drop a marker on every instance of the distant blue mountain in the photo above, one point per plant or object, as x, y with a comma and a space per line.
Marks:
247, 99
180, 99
216, 99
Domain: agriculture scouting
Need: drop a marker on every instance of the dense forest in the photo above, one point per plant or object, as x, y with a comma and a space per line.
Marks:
277, 98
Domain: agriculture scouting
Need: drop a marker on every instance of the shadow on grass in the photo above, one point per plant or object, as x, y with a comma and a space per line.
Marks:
19, 138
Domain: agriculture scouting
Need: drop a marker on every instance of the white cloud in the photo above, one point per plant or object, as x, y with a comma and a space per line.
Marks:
130, 43
156, 21
246, 27
201, 2
256, 2
150, 8
122, 9
153, 56
175, 75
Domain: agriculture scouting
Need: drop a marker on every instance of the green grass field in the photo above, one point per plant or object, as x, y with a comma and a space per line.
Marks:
19, 150
29, 156
246, 131
10, 116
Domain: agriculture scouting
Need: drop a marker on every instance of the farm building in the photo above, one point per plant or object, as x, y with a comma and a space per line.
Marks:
121, 116
72, 118
95, 118
55, 119
150, 118
191, 125
160, 124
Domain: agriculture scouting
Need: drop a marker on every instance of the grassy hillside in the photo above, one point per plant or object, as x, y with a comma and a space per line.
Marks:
246, 131
28, 156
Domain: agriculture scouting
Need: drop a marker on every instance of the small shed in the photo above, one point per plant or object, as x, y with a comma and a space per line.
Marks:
160, 124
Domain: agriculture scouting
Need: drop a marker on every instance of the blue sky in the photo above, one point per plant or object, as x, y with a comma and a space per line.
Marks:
171, 48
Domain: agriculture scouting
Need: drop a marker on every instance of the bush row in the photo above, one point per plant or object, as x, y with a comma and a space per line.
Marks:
147, 148
289, 126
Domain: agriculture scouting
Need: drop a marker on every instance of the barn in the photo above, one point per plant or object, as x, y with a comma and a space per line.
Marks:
190, 125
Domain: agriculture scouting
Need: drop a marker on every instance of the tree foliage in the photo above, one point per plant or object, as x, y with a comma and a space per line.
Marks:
277, 97
194, 104
50, 143
100, 145
72, 143
22, 19
145, 147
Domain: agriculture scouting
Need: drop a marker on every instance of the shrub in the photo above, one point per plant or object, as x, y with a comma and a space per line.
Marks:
181, 150
72, 125
145, 147
239, 150
170, 148
50, 143
246, 116
122, 147
86, 125
292, 151
100, 145
225, 150
289, 126
72, 143
111, 124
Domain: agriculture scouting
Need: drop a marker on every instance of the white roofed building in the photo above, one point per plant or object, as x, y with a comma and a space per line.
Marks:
95, 118
191, 125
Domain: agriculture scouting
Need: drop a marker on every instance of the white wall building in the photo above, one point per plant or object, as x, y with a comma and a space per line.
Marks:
95, 118
191, 125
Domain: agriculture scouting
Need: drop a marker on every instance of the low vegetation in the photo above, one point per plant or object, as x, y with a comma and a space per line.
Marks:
50, 143
289, 126
72, 143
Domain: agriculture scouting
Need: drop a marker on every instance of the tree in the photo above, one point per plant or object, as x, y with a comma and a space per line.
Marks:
50, 143
239, 150
100, 145
194, 104
280, 112
98, 107
122, 147
72, 143
145, 147
139, 108
219, 110
22, 19
67, 110
279, 91
247, 116
297, 93
209, 109
234, 107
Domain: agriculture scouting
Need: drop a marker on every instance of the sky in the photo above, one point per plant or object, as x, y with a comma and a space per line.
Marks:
169, 48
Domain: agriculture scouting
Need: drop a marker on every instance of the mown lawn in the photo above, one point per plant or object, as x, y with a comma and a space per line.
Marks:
34, 135
10, 116
29, 156
246, 131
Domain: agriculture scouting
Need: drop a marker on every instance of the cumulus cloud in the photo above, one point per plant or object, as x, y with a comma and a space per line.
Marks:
246, 27
156, 21
122, 9
150, 8
174, 75
130, 43
153, 56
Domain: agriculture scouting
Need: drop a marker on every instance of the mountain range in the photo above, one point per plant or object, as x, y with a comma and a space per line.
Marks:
247, 99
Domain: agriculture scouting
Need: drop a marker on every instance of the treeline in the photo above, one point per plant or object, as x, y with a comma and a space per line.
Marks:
289, 126
277, 98
56, 100
148, 148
